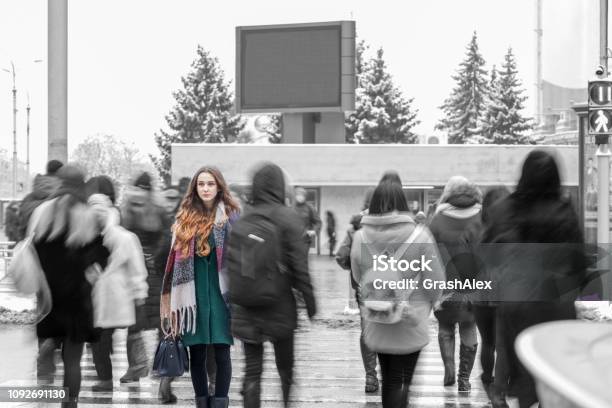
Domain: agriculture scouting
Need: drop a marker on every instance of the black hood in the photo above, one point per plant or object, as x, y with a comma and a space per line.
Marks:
268, 185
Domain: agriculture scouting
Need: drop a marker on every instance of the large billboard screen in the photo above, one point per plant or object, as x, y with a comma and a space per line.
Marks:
295, 68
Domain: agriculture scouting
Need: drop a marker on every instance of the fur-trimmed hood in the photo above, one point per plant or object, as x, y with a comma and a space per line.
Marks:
461, 193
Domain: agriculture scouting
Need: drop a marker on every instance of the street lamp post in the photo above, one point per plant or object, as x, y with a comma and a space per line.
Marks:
28, 135
14, 191
28, 142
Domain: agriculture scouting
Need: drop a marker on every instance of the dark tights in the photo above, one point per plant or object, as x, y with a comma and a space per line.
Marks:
71, 355
199, 378
397, 371
485, 320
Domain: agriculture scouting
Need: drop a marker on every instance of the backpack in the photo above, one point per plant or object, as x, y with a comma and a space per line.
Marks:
384, 305
257, 276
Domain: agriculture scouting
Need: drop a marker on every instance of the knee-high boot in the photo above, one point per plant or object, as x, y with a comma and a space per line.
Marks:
369, 364
467, 355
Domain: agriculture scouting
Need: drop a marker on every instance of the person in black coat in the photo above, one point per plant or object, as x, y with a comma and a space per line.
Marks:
538, 283
68, 242
278, 322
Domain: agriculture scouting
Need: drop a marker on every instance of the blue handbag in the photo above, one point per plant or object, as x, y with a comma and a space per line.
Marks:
171, 358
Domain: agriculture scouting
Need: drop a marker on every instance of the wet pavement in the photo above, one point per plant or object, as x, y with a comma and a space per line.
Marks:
328, 368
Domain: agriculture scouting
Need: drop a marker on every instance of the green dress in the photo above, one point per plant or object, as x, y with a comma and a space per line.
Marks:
212, 318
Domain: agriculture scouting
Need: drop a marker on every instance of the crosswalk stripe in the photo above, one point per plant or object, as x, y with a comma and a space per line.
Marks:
322, 379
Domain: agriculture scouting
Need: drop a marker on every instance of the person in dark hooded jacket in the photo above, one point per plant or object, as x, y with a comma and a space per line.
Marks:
278, 322
538, 283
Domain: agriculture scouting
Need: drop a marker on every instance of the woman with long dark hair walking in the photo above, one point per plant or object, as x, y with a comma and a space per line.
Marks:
397, 335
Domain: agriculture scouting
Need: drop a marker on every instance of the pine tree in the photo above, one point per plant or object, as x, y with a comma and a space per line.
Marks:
465, 107
505, 123
351, 123
492, 106
275, 130
382, 114
203, 112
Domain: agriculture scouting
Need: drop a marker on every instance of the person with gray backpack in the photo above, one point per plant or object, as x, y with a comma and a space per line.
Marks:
266, 261
396, 322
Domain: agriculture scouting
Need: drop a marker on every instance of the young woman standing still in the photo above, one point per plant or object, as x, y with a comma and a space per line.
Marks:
194, 289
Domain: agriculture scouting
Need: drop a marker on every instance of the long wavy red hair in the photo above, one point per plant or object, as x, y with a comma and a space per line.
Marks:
194, 220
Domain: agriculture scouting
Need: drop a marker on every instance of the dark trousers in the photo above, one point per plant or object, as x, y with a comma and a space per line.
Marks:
397, 371
71, 355
253, 353
101, 352
485, 320
199, 377
516, 317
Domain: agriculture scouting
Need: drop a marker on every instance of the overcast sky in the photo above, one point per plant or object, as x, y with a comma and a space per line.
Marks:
126, 57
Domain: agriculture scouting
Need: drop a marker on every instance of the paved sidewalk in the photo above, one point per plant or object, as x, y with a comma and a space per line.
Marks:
328, 371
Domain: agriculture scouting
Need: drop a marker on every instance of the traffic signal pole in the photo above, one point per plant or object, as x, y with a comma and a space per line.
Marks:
603, 161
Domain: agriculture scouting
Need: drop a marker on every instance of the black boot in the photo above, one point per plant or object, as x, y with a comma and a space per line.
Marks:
369, 364
497, 397
218, 402
447, 351
251, 394
202, 402
165, 394
138, 365
467, 355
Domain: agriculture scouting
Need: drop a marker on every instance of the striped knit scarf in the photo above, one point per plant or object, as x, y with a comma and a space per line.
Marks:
178, 300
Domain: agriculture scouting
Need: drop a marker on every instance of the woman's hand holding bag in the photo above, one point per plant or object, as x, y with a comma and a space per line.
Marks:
171, 358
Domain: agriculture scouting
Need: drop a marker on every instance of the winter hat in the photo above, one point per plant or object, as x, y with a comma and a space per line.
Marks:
143, 181
53, 166
101, 185
72, 182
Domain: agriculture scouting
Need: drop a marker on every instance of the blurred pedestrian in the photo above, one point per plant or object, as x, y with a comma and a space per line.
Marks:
121, 286
330, 221
485, 309
68, 241
194, 290
11, 222
397, 341
539, 282
143, 213
343, 258
171, 200
458, 211
310, 218
255, 323
43, 189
